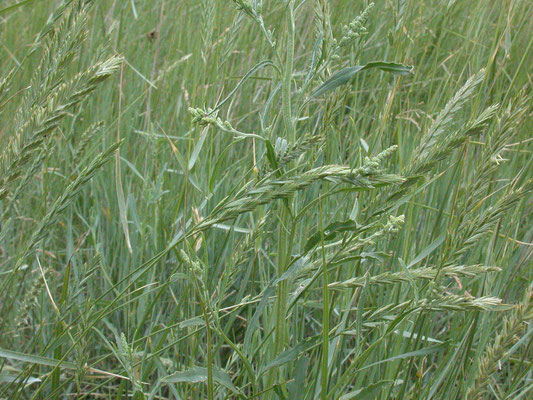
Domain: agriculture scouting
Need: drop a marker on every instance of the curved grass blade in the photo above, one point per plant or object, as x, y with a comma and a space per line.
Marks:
345, 75
15, 6
199, 374
51, 362
242, 81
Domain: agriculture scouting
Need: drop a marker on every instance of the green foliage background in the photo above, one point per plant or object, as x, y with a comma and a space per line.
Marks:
268, 229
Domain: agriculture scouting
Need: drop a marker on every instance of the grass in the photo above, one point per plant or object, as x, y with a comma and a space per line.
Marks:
309, 199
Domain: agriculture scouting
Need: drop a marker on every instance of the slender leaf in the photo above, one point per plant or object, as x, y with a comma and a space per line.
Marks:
345, 75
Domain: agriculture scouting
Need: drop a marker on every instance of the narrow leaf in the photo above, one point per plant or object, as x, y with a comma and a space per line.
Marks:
428, 250
199, 374
198, 148
345, 75
368, 392
330, 232
50, 362
297, 387
30, 358
284, 358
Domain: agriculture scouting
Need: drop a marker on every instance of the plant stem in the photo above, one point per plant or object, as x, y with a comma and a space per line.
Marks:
284, 245
325, 315
287, 76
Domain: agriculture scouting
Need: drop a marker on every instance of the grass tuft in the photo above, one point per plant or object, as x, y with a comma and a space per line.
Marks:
312, 200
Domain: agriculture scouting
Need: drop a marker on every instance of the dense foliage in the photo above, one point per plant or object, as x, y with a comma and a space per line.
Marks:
257, 199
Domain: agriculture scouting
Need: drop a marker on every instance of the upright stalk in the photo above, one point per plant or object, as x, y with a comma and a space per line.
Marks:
210, 362
284, 245
324, 373
287, 76
206, 311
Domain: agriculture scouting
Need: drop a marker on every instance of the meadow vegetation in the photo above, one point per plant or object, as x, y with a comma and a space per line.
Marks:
252, 199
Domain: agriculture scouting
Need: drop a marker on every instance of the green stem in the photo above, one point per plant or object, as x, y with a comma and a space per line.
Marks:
210, 384
249, 368
325, 315
204, 304
284, 245
287, 76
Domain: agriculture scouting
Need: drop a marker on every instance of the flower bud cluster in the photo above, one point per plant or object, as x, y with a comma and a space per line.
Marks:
356, 29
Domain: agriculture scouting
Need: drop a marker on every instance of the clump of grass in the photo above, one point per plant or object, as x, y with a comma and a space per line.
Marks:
311, 200
51, 96
499, 349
